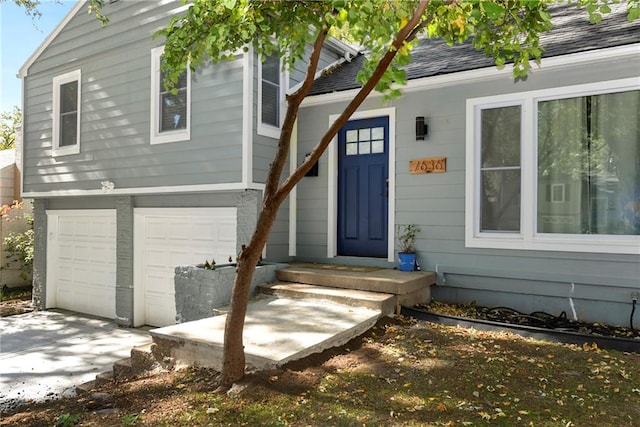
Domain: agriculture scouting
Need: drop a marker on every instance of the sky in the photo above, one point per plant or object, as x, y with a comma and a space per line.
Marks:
20, 36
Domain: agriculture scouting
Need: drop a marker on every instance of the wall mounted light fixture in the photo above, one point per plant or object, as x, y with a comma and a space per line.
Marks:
422, 129
314, 169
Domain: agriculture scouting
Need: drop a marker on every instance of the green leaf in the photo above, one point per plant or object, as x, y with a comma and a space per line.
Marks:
493, 10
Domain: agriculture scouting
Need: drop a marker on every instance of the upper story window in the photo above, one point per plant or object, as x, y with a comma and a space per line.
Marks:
556, 169
270, 96
170, 112
66, 113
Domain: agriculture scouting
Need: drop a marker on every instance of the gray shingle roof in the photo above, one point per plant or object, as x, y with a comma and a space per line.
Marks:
572, 33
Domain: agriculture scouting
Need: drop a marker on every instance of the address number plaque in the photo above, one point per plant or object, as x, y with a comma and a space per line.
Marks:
428, 165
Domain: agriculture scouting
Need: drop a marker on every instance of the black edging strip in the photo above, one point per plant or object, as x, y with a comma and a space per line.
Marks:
610, 343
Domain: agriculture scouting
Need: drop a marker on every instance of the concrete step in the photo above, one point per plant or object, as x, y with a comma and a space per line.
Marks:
86, 387
122, 369
374, 280
386, 303
276, 331
104, 378
142, 358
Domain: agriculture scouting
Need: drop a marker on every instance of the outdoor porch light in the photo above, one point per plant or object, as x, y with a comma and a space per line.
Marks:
422, 129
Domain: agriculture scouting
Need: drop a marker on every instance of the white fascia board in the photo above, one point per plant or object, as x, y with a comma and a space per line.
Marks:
23, 70
341, 47
482, 74
178, 189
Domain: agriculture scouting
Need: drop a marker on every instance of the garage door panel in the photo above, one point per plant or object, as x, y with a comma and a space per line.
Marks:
187, 237
82, 254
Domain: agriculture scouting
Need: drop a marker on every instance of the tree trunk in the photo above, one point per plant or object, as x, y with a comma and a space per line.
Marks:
233, 359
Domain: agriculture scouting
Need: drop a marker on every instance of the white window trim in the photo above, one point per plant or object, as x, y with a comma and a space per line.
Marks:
157, 137
267, 129
58, 81
528, 238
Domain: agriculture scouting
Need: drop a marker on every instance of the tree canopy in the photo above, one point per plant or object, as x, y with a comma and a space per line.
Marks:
8, 122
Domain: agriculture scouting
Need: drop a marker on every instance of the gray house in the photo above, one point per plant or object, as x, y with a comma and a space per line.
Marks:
128, 180
527, 192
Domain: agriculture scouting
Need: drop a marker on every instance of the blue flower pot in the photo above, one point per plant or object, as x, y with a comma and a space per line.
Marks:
407, 261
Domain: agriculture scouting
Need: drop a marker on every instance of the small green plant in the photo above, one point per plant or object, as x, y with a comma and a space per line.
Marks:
209, 265
129, 420
67, 420
407, 237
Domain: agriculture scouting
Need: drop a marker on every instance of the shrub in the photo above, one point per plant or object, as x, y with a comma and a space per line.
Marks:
19, 246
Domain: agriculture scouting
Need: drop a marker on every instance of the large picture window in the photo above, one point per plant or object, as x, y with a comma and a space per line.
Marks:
556, 170
66, 114
170, 110
589, 145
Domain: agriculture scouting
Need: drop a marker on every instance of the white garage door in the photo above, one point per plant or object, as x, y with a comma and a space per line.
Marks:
81, 261
167, 238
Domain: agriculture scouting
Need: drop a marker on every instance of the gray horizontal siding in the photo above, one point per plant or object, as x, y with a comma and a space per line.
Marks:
115, 62
436, 202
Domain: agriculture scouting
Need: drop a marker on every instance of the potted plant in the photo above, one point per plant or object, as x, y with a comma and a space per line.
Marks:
407, 253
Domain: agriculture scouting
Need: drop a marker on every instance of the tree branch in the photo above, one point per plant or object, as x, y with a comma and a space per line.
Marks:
293, 105
366, 89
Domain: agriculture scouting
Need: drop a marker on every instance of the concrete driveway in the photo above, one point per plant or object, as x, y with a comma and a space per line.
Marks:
44, 355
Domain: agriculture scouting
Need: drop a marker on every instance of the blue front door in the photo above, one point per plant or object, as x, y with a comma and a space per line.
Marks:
363, 178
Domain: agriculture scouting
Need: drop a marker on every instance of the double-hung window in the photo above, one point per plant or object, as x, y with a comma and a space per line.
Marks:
270, 95
555, 169
170, 110
66, 113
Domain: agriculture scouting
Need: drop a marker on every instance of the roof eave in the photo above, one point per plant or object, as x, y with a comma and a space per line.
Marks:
480, 74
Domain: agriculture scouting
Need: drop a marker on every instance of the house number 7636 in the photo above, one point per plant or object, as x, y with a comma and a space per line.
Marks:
428, 165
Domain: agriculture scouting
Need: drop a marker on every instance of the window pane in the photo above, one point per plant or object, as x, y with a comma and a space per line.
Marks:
270, 105
352, 149
501, 137
590, 145
352, 135
68, 129
69, 97
271, 70
377, 133
364, 148
173, 111
500, 198
377, 146
365, 134
182, 81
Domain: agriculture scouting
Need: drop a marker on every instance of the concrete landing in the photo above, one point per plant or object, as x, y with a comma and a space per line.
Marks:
276, 331
376, 280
